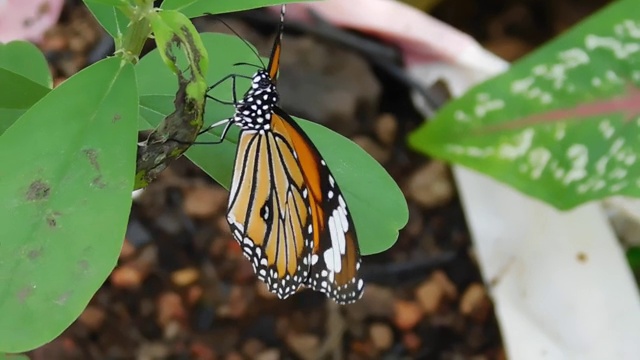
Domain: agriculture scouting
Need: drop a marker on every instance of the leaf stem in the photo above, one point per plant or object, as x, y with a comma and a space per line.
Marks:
137, 31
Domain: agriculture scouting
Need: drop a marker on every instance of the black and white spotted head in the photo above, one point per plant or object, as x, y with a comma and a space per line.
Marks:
254, 111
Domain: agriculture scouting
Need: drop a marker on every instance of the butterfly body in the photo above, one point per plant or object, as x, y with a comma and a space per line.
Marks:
285, 208
253, 112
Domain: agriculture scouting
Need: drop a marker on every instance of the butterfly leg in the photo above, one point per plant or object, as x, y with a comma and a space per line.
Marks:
227, 125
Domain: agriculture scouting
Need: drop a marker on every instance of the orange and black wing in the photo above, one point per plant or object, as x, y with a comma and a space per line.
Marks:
269, 211
335, 257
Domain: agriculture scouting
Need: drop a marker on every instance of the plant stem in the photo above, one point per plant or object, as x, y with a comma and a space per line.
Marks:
137, 32
134, 39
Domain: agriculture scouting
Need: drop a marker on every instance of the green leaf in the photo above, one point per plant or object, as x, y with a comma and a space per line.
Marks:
17, 94
111, 19
24, 79
170, 24
633, 257
377, 205
562, 124
24, 58
67, 169
195, 8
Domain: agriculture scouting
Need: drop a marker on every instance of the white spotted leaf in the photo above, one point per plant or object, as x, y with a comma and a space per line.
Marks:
561, 125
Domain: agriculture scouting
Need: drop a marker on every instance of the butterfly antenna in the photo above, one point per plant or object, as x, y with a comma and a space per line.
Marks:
241, 38
247, 64
282, 11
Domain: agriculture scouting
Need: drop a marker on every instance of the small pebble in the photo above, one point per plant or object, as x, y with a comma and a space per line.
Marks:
303, 345
127, 250
429, 296
381, 336
407, 314
172, 330
205, 201
170, 307
92, 317
194, 294
431, 185
386, 128
411, 341
153, 350
475, 303
147, 258
431, 293
270, 354
126, 277
234, 356
202, 351
252, 347
184, 277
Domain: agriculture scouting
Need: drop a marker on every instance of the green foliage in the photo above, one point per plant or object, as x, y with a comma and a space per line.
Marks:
169, 24
25, 59
69, 157
115, 22
24, 67
562, 124
66, 202
633, 257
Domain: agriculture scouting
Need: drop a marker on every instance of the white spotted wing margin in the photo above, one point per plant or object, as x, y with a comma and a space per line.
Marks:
269, 211
335, 270
336, 260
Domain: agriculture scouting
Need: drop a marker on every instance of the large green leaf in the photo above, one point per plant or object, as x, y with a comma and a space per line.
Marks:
562, 124
66, 174
195, 8
377, 205
24, 79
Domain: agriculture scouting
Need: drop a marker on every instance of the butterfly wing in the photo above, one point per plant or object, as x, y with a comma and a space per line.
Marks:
335, 258
286, 210
269, 211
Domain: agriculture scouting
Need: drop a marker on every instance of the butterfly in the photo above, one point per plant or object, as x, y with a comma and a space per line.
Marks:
285, 208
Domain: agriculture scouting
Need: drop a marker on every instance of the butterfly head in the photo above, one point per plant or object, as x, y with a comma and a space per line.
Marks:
255, 109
